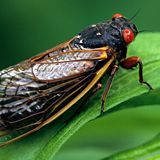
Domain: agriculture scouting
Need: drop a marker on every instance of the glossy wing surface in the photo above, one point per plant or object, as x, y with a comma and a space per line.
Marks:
31, 90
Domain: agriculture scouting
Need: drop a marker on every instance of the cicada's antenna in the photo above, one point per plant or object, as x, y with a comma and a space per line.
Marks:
135, 14
144, 30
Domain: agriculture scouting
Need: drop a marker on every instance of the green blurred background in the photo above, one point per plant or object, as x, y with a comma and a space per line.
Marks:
28, 27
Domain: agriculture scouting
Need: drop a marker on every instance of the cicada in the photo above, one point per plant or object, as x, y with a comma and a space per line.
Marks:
36, 91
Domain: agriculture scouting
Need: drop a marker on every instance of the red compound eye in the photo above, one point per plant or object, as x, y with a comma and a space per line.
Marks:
128, 35
117, 15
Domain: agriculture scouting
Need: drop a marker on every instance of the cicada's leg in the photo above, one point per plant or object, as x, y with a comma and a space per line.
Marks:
133, 61
108, 85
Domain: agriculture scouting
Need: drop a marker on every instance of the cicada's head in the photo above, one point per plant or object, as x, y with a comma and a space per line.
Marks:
123, 33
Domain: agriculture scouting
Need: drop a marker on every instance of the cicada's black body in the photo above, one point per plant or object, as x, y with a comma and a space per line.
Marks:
107, 34
38, 90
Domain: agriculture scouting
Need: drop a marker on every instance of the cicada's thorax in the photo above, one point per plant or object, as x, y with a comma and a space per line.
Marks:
109, 33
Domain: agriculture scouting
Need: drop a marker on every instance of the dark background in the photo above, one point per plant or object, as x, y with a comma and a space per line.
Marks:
28, 27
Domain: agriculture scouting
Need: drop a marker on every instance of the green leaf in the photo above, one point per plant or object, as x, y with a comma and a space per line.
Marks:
47, 141
82, 154
147, 151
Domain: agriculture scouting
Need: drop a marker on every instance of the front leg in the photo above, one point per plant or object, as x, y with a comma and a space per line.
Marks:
131, 62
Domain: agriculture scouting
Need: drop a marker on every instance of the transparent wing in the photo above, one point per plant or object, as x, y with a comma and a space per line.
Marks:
36, 89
